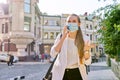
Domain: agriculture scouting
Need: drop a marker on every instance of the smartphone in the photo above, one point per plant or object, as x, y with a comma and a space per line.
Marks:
68, 27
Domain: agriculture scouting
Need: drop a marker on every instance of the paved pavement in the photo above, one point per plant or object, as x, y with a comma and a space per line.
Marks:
36, 71
100, 71
31, 70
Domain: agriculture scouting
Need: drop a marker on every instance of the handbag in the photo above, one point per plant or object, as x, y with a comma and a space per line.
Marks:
48, 75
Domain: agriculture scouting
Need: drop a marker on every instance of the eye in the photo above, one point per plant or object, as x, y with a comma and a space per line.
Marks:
74, 21
68, 21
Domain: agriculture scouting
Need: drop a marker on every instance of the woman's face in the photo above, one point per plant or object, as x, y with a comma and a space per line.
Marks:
72, 23
73, 19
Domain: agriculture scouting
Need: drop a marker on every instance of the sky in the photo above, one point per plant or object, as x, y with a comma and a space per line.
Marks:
2, 1
58, 7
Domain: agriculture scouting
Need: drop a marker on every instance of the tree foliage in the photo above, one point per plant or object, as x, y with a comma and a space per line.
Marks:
111, 29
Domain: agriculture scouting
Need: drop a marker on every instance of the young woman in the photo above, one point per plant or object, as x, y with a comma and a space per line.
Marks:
73, 52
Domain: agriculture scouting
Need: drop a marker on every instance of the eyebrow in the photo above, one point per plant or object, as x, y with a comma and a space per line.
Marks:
72, 21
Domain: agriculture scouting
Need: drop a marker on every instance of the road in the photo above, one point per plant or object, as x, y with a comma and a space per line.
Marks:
36, 71
31, 70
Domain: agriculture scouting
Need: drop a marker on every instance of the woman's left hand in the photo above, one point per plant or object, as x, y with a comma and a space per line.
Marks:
88, 46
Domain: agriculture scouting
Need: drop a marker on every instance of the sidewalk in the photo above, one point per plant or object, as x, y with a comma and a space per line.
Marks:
29, 62
100, 71
33, 62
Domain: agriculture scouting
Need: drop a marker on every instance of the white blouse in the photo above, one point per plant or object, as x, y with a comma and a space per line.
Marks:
72, 54
64, 61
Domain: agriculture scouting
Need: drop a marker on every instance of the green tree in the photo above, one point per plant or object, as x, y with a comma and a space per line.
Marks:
111, 30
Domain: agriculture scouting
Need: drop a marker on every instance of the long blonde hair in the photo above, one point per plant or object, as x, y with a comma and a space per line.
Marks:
79, 42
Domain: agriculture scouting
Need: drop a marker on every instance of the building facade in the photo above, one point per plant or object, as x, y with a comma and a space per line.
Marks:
20, 28
52, 26
90, 26
25, 31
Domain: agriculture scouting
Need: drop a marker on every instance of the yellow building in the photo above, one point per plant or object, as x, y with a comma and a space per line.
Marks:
20, 27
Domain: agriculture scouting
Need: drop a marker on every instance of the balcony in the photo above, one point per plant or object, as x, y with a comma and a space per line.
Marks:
4, 36
21, 37
51, 27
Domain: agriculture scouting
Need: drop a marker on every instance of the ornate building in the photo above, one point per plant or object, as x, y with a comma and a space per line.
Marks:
20, 27
51, 27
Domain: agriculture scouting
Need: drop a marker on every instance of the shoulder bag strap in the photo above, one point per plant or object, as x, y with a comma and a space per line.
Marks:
50, 68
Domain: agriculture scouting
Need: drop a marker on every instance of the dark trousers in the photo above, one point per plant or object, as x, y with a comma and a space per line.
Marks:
72, 74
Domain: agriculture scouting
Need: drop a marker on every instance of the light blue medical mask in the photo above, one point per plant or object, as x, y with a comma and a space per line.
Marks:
72, 27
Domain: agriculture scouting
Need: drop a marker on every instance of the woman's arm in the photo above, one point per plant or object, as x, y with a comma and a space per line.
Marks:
56, 48
87, 53
60, 43
87, 50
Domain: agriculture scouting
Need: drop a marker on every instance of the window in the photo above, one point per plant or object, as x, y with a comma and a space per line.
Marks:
5, 28
52, 23
95, 37
45, 35
52, 35
91, 27
27, 22
27, 1
90, 36
96, 48
91, 49
27, 6
57, 22
26, 27
87, 26
1, 13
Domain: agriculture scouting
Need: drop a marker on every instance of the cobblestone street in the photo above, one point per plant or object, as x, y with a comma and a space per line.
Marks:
31, 70
36, 71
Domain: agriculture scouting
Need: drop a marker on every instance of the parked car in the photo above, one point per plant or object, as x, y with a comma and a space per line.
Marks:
5, 57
